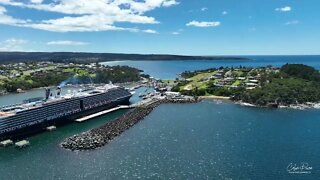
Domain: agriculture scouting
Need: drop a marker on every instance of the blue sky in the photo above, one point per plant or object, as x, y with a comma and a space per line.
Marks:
191, 27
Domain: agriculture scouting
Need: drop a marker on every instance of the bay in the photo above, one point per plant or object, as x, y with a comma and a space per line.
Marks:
191, 141
169, 69
207, 140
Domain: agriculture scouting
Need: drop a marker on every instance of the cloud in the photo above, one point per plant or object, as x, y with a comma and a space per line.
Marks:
204, 24
204, 9
175, 33
67, 43
292, 22
84, 15
5, 19
36, 1
12, 44
224, 12
170, 3
284, 9
150, 31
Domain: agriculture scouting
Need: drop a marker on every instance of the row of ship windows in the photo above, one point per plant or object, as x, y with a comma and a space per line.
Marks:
57, 115
101, 101
90, 106
34, 116
36, 113
19, 127
94, 99
42, 116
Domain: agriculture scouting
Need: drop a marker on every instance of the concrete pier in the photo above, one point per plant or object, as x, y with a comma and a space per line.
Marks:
101, 113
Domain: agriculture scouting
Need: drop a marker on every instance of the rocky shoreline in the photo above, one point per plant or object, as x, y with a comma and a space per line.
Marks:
302, 106
101, 136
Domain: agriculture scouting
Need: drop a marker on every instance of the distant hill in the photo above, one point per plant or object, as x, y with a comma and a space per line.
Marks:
68, 57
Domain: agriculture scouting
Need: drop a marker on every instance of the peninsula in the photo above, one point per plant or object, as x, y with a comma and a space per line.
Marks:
81, 57
19, 77
292, 85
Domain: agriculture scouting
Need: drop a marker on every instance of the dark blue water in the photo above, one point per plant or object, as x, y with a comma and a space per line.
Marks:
192, 141
170, 69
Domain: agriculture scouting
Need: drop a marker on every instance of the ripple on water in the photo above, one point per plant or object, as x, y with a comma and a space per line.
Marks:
189, 141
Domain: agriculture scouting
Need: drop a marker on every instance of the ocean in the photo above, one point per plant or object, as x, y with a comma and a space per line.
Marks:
208, 140
170, 69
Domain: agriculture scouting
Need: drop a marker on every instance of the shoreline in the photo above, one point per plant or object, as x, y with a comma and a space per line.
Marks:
214, 97
68, 86
98, 137
302, 106
101, 136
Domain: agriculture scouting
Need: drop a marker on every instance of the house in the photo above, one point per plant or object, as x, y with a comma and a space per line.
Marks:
217, 76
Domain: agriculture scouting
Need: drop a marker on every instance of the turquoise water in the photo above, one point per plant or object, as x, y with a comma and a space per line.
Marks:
170, 69
191, 141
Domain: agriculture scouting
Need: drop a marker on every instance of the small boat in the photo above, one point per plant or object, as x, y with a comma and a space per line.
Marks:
246, 104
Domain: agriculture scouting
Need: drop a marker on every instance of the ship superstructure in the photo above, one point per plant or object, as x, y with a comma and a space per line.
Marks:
36, 113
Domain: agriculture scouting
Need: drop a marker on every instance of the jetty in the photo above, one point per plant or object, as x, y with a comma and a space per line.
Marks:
142, 103
101, 136
101, 113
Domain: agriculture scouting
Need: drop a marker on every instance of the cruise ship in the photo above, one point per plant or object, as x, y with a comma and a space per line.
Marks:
33, 115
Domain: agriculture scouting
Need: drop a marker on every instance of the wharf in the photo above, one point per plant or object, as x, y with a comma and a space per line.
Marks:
145, 102
101, 113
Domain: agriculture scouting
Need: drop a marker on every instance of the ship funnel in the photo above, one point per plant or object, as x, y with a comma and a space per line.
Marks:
47, 93
58, 91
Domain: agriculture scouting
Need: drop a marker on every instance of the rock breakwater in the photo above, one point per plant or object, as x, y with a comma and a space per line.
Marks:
100, 136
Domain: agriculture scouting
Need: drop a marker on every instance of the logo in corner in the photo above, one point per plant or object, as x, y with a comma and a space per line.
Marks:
299, 168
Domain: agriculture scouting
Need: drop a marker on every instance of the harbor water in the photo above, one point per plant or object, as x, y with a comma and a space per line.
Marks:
208, 140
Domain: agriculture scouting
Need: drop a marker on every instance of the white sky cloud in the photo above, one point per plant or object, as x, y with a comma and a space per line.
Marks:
36, 1
204, 9
292, 22
224, 12
150, 31
86, 15
284, 9
67, 43
12, 44
204, 24
170, 3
